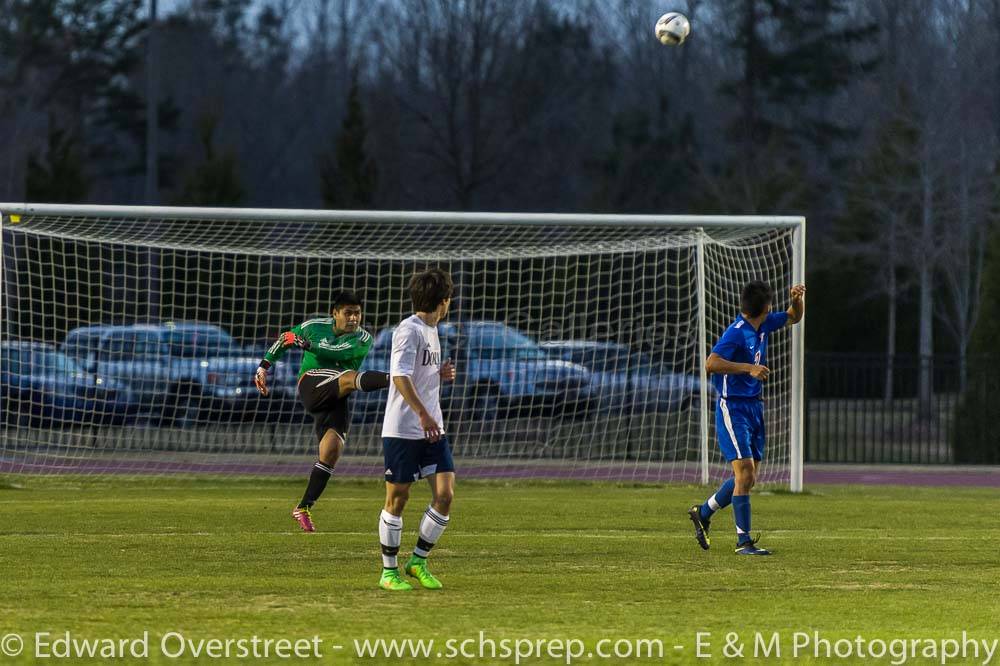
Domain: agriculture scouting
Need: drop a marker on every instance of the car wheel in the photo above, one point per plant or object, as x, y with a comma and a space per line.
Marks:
482, 403
184, 405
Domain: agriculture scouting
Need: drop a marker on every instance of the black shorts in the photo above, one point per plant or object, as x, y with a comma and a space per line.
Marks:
319, 391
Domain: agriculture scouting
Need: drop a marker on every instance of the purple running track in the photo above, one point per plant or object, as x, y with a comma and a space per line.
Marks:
818, 474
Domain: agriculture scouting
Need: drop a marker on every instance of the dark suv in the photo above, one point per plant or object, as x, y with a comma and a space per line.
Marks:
183, 373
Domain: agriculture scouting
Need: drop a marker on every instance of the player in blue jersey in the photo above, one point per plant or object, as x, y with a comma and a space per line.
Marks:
738, 365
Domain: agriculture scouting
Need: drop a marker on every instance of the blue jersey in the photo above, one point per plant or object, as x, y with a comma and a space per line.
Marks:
742, 344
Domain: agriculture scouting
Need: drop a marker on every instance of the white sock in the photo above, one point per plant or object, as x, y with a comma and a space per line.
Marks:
390, 533
432, 526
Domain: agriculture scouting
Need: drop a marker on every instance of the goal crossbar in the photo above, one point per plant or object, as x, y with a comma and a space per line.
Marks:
400, 217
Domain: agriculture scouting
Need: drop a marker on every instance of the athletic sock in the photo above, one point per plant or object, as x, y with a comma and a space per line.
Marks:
722, 498
317, 484
741, 512
390, 533
432, 526
371, 381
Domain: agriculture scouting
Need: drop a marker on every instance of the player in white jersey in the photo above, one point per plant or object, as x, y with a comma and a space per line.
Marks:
413, 437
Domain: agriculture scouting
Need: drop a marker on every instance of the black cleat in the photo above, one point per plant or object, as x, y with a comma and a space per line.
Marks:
748, 546
700, 528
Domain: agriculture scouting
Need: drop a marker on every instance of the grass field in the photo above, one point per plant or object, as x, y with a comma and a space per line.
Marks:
222, 559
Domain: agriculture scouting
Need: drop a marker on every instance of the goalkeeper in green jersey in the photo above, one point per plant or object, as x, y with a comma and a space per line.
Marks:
334, 350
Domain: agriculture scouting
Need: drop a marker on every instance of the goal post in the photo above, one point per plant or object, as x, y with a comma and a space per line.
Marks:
798, 414
131, 334
703, 426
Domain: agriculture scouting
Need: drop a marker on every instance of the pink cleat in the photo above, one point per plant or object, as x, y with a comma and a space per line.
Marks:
304, 518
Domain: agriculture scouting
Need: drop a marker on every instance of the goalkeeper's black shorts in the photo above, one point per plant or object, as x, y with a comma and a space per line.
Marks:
319, 392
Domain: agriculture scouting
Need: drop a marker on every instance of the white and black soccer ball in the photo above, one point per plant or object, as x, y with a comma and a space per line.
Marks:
672, 29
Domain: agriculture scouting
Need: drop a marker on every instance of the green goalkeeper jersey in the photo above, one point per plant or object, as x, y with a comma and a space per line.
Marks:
327, 349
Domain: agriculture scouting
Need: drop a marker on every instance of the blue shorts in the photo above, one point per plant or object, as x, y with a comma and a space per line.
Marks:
409, 460
739, 424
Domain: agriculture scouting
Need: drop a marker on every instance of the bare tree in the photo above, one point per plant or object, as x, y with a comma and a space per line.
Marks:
882, 208
966, 203
488, 92
449, 58
920, 71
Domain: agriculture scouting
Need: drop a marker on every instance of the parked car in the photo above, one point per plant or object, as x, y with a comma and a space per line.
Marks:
43, 386
623, 380
508, 371
501, 372
183, 373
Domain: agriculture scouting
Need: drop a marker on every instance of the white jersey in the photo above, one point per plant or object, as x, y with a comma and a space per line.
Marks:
416, 353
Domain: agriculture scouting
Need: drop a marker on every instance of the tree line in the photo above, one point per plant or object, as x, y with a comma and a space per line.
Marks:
877, 119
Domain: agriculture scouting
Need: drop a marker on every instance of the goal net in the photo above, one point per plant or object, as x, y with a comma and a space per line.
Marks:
130, 337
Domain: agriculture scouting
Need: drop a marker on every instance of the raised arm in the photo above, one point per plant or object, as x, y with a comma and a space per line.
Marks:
290, 338
797, 309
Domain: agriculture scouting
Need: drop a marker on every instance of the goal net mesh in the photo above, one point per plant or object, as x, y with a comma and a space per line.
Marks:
129, 344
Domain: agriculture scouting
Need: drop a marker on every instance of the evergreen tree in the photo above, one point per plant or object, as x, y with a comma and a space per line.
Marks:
216, 181
229, 20
796, 55
58, 176
347, 174
648, 166
71, 60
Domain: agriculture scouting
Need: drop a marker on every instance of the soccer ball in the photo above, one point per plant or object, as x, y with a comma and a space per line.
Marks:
672, 29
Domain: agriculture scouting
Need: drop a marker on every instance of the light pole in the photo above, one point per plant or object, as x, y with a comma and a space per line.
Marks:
152, 124
152, 155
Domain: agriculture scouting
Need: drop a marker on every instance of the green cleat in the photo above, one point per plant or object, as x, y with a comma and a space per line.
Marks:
417, 567
392, 581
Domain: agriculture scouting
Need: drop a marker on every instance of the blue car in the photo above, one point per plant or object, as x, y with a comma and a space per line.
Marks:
626, 381
502, 373
41, 386
183, 373
507, 372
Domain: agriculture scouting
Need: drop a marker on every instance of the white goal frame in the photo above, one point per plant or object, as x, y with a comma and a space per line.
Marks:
796, 224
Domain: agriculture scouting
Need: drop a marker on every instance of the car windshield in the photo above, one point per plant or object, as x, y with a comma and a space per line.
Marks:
505, 343
202, 342
510, 353
81, 345
54, 361
609, 359
133, 344
601, 359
